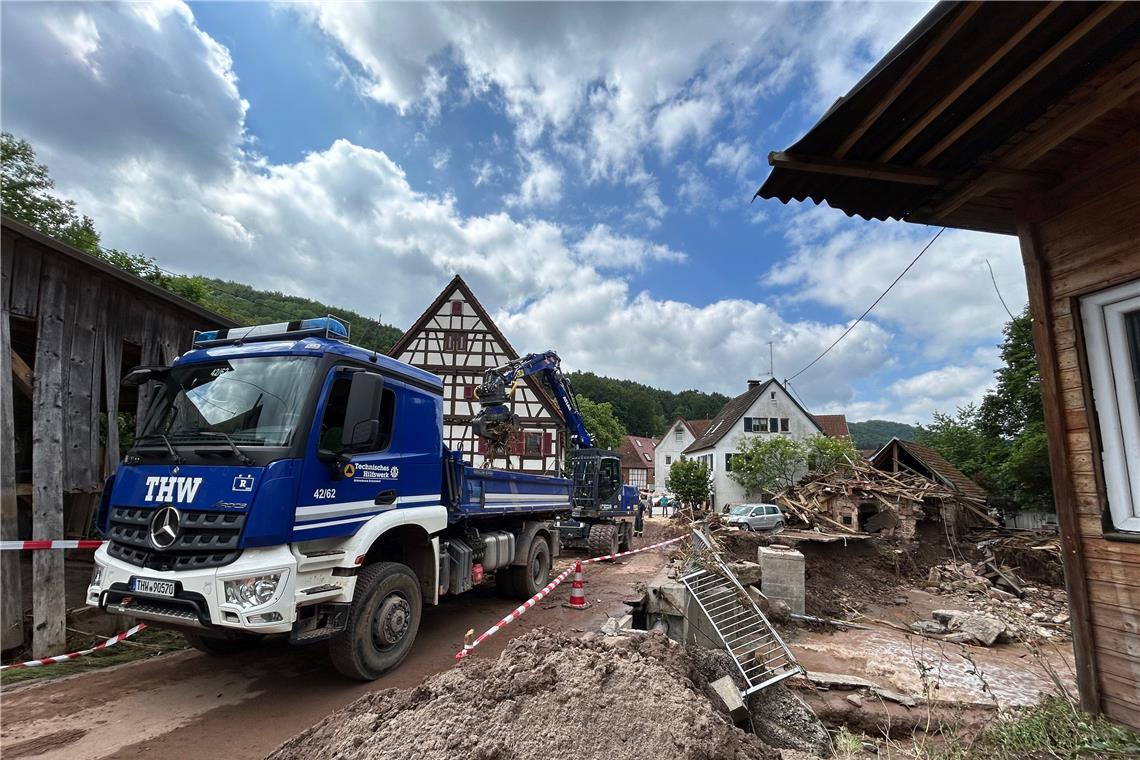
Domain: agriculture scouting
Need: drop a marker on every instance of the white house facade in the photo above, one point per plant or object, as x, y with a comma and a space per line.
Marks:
765, 409
673, 442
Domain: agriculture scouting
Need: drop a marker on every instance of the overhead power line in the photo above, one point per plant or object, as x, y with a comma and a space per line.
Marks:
998, 290
846, 332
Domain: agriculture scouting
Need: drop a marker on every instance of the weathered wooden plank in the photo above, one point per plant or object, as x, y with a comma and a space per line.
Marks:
49, 610
1090, 526
114, 317
1117, 619
1115, 640
1122, 713
1120, 551
81, 452
1124, 668
11, 597
1115, 571
26, 265
1106, 592
1089, 504
1112, 271
7, 262
150, 355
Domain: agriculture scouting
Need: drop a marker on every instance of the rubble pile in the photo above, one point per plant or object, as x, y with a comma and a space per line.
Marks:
547, 695
1037, 613
839, 500
1036, 555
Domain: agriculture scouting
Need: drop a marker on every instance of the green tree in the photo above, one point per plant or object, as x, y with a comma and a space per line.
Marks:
604, 427
767, 464
1001, 444
690, 480
874, 434
823, 454
26, 194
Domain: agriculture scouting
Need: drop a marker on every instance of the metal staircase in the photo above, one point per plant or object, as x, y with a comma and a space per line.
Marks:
753, 643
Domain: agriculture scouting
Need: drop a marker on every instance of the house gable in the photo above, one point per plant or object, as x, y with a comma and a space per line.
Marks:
456, 339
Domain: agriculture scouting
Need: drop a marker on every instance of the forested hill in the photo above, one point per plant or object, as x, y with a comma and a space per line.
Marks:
643, 410
872, 434
249, 306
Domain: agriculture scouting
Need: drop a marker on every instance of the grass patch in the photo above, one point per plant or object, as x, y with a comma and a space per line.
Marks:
1052, 729
846, 743
149, 642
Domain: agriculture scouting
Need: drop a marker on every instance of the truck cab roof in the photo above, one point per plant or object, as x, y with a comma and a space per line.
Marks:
311, 346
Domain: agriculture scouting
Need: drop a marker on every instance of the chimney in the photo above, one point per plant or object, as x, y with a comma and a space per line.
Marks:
752, 384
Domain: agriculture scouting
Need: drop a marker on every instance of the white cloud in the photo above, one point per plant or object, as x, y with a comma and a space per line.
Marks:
164, 167
680, 120
541, 185
946, 301
734, 158
603, 249
440, 158
610, 79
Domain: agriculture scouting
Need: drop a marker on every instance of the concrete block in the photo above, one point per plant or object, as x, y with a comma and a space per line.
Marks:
782, 572
726, 689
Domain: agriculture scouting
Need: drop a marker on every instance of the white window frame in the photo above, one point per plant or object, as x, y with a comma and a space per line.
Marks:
1114, 396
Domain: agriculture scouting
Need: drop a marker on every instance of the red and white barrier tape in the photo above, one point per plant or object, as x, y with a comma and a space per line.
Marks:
517, 613
49, 544
75, 655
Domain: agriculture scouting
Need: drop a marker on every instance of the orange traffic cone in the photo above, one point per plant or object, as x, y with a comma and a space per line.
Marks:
577, 590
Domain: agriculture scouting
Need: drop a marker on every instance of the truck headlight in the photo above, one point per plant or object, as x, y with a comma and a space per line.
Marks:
96, 575
253, 591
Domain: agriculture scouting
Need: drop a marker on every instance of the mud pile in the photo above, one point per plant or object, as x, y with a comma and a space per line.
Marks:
548, 696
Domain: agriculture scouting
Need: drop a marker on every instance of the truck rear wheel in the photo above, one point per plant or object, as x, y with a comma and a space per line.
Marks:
625, 537
603, 539
382, 622
531, 578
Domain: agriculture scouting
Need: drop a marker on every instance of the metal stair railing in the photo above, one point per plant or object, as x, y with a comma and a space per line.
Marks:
749, 638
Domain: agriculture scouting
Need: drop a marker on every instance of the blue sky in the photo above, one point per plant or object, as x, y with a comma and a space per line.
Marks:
588, 168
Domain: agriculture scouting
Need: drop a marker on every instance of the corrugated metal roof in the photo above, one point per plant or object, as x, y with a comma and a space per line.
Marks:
977, 53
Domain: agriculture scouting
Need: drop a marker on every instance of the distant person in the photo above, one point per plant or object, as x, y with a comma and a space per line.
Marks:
664, 506
639, 520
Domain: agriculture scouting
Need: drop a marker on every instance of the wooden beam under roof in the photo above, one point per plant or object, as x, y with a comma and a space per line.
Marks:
900, 85
1027, 74
1121, 87
938, 108
863, 170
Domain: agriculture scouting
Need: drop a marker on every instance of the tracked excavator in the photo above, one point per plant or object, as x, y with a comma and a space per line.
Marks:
602, 506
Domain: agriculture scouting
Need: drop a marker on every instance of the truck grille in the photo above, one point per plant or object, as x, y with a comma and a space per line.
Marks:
205, 539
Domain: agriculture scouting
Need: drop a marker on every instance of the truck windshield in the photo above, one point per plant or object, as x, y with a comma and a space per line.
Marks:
255, 401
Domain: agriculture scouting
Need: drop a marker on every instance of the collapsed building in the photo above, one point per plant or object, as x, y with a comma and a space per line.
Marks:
904, 484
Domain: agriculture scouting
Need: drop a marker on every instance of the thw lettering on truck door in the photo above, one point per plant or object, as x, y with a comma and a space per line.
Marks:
171, 489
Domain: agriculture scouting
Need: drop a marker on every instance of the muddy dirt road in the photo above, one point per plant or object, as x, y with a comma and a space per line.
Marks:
190, 705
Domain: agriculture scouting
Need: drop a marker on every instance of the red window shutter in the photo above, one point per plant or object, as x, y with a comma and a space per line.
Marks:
457, 307
469, 391
547, 444
517, 443
482, 445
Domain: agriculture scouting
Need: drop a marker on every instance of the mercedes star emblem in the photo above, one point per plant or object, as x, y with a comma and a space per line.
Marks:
164, 527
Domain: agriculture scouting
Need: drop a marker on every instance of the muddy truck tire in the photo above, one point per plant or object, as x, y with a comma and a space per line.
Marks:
528, 580
603, 539
625, 536
382, 622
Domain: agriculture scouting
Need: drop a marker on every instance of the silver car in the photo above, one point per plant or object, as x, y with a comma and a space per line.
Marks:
756, 517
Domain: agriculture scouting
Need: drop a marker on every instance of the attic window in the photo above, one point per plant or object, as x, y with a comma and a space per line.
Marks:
637, 443
457, 308
773, 396
455, 342
647, 457
678, 434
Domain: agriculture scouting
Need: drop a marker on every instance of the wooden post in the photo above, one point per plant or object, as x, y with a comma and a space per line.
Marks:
11, 596
1076, 581
49, 609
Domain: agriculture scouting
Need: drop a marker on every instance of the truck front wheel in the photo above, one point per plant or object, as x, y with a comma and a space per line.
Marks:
382, 622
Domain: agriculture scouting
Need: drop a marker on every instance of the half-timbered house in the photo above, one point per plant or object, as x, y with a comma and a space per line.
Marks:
456, 339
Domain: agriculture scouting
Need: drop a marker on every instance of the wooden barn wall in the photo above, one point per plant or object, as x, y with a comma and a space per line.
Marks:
1078, 242
83, 317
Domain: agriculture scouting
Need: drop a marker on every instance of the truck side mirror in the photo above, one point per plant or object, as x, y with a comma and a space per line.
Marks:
145, 374
362, 415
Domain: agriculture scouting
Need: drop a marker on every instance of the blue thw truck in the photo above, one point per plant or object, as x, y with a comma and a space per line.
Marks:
287, 482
